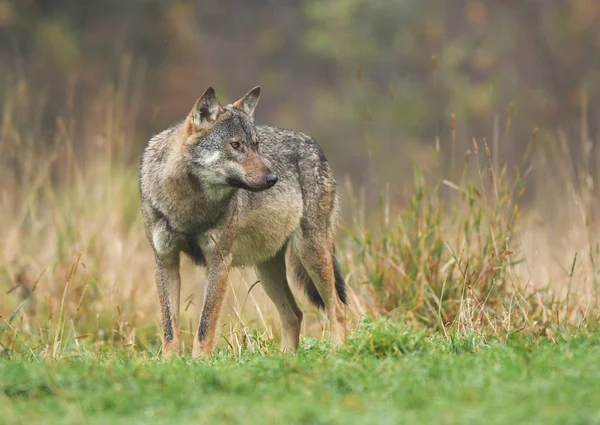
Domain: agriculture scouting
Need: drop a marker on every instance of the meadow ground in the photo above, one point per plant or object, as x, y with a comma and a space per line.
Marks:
385, 375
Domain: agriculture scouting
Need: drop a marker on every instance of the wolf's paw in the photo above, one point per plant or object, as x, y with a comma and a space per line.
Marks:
172, 349
201, 350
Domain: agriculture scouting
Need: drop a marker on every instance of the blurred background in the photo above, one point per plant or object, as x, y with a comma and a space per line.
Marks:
400, 94
375, 82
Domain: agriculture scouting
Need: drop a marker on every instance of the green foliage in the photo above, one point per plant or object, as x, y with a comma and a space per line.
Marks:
382, 338
496, 383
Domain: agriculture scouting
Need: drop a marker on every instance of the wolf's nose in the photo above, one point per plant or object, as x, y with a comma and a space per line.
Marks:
271, 179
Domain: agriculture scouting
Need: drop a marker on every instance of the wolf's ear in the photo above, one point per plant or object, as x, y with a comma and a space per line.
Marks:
205, 111
248, 102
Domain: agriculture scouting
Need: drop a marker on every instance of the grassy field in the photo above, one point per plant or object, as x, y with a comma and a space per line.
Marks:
385, 375
486, 309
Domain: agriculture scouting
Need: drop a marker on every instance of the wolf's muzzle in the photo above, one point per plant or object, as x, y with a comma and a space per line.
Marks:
254, 186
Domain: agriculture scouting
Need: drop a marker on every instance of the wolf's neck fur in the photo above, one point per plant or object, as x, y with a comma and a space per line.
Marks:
195, 207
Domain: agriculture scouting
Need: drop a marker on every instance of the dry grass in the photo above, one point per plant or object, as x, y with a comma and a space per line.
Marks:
473, 253
77, 271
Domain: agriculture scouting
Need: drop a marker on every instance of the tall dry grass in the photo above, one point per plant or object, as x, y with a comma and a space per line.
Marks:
77, 273
77, 270
483, 246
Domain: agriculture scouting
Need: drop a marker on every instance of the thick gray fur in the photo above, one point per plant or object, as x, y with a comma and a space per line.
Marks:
207, 190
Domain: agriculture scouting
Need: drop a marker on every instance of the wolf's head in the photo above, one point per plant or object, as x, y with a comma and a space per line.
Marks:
222, 144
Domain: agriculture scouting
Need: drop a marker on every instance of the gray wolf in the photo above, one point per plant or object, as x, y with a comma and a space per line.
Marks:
229, 193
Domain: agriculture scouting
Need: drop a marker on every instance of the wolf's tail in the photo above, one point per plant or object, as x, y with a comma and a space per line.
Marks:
302, 278
340, 284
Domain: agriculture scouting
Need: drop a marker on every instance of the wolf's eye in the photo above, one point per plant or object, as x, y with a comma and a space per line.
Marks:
235, 145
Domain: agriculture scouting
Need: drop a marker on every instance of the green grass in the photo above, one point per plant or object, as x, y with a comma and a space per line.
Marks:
384, 375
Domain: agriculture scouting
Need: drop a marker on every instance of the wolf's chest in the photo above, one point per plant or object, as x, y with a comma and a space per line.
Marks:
260, 233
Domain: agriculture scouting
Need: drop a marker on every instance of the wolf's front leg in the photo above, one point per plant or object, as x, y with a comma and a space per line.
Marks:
168, 283
218, 266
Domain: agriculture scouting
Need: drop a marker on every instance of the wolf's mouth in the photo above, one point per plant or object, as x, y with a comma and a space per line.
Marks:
268, 182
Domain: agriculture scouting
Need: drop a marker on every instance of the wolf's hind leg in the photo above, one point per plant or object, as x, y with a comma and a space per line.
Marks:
273, 278
316, 254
